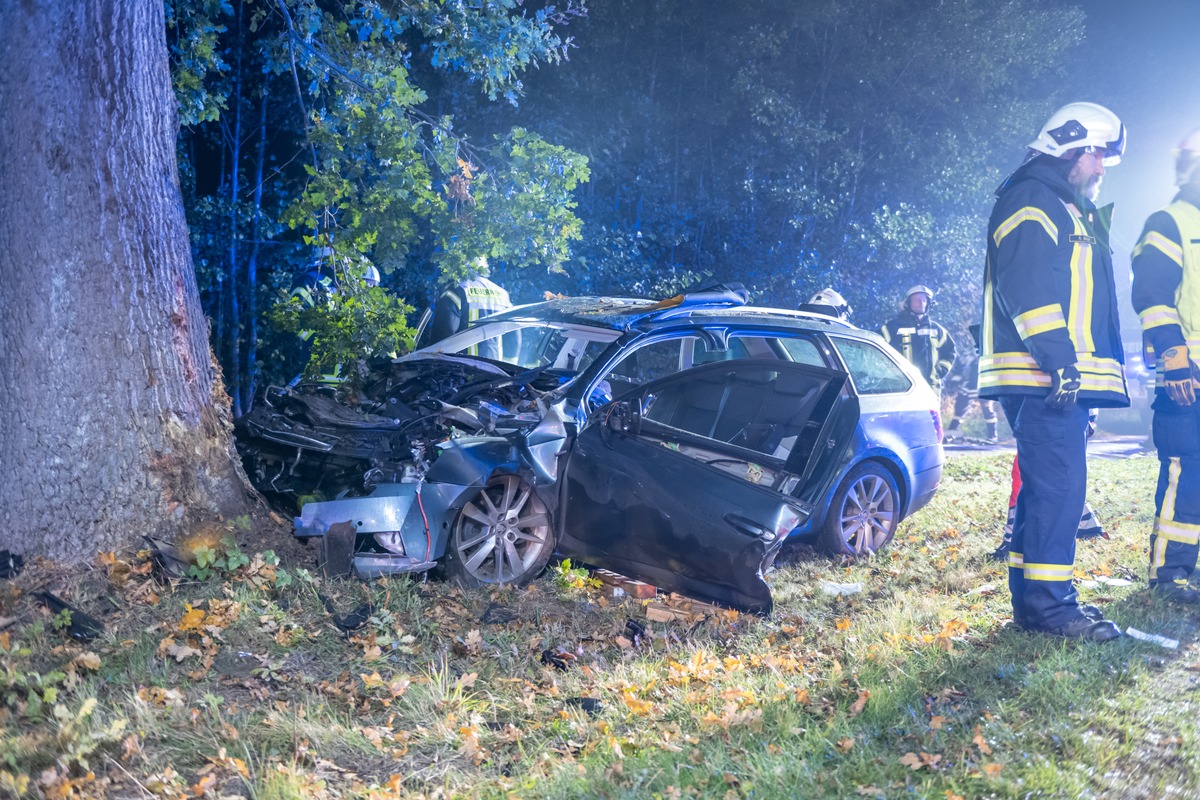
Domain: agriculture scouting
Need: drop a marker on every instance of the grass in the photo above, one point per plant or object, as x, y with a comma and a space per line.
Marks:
915, 687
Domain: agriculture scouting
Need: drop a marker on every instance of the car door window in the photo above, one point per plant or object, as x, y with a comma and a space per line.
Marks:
644, 364
871, 369
752, 406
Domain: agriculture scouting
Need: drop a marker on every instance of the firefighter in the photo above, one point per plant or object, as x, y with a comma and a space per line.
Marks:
467, 302
1166, 295
1051, 351
919, 339
968, 392
828, 303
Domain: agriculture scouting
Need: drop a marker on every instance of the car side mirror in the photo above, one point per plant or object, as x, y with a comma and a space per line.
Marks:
622, 417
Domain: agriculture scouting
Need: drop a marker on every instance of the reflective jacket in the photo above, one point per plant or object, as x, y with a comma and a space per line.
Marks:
468, 302
923, 342
1049, 298
1166, 279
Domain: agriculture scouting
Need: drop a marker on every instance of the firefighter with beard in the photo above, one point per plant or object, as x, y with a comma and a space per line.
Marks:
922, 341
1051, 351
1166, 295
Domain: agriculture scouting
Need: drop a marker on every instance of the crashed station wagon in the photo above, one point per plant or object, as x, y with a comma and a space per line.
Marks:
678, 442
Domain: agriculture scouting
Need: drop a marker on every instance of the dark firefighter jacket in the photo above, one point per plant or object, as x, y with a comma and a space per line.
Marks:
1049, 298
1166, 278
923, 342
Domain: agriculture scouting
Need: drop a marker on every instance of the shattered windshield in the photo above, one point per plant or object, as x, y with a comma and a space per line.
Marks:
529, 343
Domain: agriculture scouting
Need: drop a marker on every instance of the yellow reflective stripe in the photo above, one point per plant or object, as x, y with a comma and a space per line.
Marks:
1049, 572
1157, 316
1039, 320
1079, 319
1168, 504
1026, 214
1020, 369
1016, 560
1176, 531
999, 360
454, 298
1170, 249
1166, 529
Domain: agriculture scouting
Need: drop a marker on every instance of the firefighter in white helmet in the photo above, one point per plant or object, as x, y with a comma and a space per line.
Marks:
922, 341
1166, 295
1050, 351
828, 303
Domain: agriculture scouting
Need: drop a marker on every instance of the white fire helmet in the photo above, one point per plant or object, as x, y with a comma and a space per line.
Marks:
371, 275
922, 288
1086, 125
828, 297
1187, 158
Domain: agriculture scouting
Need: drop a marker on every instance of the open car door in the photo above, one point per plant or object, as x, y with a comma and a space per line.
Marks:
692, 482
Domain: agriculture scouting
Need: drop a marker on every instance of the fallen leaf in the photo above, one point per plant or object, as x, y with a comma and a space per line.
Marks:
992, 770
845, 745
860, 703
980, 742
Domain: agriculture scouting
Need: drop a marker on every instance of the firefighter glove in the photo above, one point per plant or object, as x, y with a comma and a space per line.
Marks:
1178, 372
1064, 386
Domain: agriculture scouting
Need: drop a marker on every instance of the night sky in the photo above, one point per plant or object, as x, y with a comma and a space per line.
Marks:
1142, 60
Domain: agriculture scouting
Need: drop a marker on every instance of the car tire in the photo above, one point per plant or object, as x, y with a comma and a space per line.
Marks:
502, 534
864, 512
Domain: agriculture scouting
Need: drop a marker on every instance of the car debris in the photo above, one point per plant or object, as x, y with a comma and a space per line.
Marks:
840, 589
11, 564
80, 626
1153, 638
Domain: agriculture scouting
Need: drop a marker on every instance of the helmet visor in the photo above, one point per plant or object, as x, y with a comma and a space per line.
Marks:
1112, 150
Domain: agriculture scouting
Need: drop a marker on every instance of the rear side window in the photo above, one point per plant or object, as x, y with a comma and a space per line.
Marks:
871, 369
803, 351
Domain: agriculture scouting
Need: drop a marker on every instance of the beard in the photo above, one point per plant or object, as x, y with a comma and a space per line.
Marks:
1084, 181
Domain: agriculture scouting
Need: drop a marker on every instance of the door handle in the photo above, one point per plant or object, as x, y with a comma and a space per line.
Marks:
749, 527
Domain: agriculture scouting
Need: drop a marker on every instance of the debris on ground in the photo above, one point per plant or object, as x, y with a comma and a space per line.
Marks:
10, 564
79, 625
1154, 638
677, 608
621, 586
840, 589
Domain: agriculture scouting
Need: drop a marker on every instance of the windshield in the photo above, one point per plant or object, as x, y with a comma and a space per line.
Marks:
528, 344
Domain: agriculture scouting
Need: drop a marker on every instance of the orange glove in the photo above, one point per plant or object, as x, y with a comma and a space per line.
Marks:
1178, 372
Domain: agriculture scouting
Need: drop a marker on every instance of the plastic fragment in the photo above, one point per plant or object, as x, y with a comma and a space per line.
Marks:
1162, 641
840, 589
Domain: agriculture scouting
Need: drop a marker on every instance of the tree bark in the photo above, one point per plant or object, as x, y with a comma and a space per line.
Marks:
113, 419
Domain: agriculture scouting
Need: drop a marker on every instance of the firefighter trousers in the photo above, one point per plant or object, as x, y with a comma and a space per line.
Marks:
1177, 498
1052, 450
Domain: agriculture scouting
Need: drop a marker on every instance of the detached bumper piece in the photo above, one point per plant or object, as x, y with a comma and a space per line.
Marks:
385, 533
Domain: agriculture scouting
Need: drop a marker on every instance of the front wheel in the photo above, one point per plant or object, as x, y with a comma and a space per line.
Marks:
501, 535
864, 513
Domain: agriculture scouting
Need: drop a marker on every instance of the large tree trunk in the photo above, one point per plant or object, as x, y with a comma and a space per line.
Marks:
113, 420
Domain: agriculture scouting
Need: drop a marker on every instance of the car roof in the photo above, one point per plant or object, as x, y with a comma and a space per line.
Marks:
639, 314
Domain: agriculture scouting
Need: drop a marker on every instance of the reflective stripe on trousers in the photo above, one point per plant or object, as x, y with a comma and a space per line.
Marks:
1173, 542
1052, 450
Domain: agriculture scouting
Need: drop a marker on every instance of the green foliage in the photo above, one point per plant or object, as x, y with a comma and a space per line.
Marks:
346, 327
568, 577
220, 561
367, 171
193, 35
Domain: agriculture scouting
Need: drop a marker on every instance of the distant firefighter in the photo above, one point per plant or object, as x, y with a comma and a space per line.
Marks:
922, 341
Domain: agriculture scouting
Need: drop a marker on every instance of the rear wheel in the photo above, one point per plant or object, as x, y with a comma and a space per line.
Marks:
501, 535
864, 513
